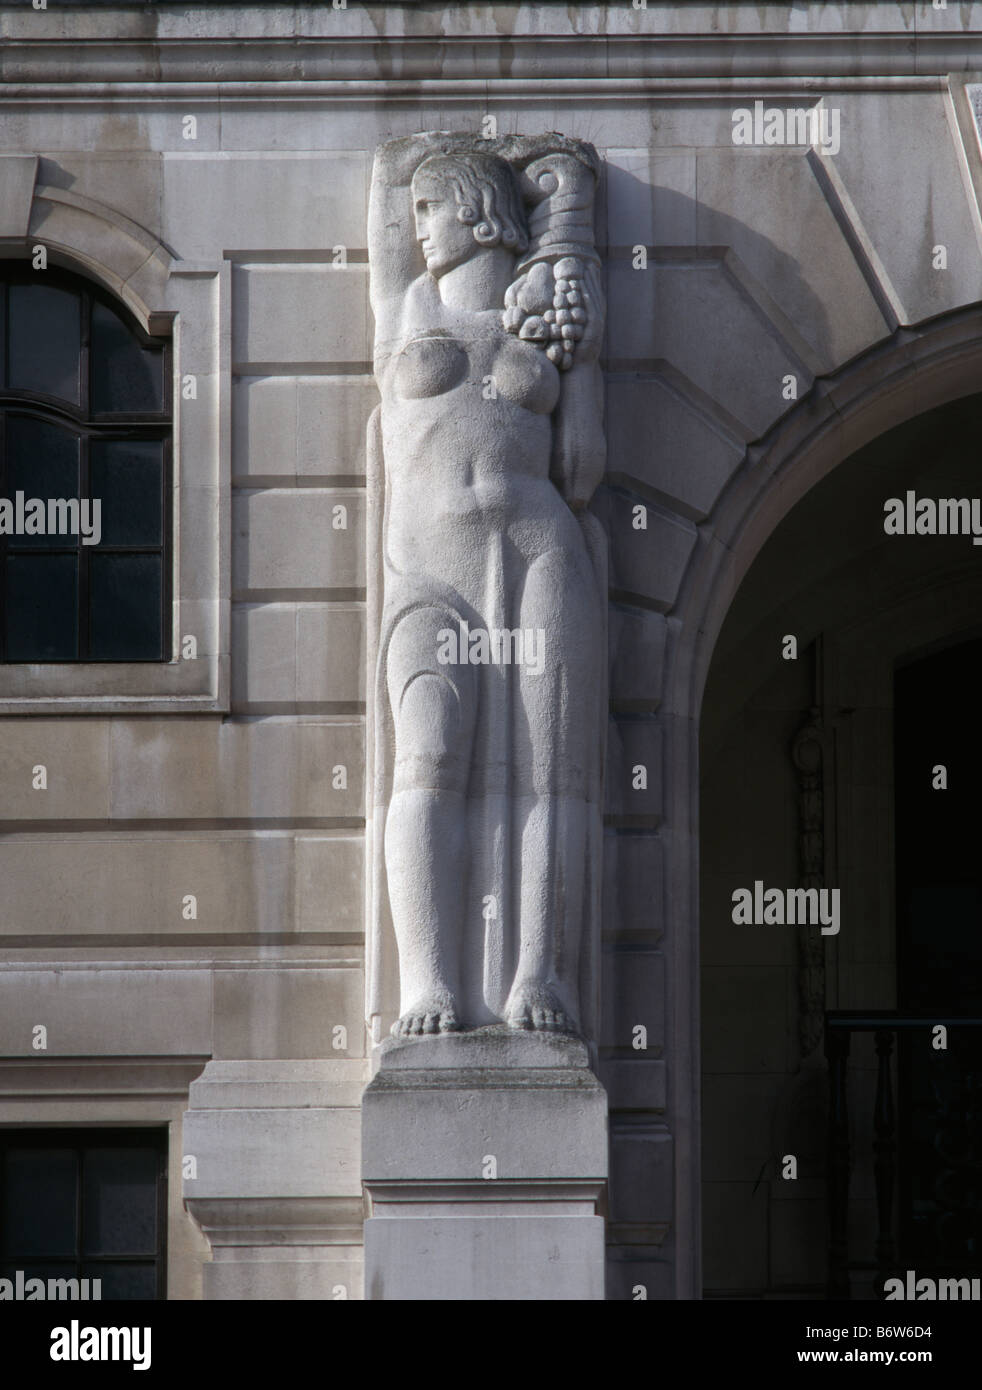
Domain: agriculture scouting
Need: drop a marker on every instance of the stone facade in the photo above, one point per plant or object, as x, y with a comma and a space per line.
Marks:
772, 308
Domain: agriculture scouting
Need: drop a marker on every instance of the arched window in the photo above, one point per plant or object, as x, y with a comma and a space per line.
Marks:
85, 405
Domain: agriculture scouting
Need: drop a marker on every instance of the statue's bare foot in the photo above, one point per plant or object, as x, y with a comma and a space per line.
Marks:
434, 1013
536, 1005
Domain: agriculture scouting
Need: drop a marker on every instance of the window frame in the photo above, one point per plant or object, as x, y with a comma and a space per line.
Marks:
88, 424
78, 1140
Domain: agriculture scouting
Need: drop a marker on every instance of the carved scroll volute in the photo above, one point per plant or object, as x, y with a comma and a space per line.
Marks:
560, 192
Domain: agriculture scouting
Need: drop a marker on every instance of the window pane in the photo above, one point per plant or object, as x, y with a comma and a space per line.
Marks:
124, 607
119, 1202
45, 340
42, 607
42, 462
127, 476
124, 1280
37, 1208
124, 375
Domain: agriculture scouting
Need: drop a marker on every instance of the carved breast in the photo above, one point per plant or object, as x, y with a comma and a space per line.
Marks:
430, 365
523, 374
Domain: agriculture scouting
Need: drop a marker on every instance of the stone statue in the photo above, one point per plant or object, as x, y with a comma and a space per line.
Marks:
490, 699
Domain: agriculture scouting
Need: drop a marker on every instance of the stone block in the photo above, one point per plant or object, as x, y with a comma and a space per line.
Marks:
655, 433
641, 1175
282, 1152
689, 314
264, 654
639, 1084
18, 173
286, 539
275, 1012
200, 514
636, 642
898, 140
634, 770
633, 994
254, 769
651, 199
638, 1279
292, 315
59, 885
330, 886
332, 416
74, 757
127, 180
288, 200
264, 427
769, 208
99, 1012
331, 659
645, 564
633, 885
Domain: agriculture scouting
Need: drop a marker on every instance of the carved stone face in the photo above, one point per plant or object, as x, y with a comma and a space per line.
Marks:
445, 240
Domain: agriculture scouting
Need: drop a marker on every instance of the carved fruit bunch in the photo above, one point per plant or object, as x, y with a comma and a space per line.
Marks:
545, 306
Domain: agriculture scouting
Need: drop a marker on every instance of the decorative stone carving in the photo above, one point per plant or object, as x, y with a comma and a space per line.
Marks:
490, 696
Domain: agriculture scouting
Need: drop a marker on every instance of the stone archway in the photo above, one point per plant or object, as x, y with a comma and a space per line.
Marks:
913, 372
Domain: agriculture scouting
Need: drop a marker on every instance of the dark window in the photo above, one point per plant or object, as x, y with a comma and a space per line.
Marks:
85, 1204
84, 416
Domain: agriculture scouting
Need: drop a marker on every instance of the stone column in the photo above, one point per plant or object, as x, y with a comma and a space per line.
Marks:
484, 1157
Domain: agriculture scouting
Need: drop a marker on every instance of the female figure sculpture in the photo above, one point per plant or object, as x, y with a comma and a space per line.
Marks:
490, 695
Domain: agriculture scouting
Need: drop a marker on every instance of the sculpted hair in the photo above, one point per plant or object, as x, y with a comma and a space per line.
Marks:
487, 197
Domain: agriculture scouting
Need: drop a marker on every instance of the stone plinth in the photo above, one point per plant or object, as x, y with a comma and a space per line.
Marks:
484, 1157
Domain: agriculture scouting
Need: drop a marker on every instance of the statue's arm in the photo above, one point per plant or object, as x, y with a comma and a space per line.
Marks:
579, 448
395, 259
400, 290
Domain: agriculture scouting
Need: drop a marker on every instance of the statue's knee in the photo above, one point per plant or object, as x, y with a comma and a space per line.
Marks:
432, 733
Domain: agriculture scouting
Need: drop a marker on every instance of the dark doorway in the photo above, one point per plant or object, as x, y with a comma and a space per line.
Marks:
939, 959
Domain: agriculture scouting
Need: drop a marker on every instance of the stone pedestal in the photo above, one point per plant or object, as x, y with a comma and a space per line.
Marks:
271, 1177
484, 1157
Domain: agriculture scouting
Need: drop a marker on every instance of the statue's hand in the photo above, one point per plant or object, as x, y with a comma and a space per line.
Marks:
401, 158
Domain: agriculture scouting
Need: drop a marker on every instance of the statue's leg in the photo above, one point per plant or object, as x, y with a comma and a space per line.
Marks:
554, 845
425, 828
556, 796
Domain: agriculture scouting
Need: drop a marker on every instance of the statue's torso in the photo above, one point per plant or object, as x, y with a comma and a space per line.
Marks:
467, 437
